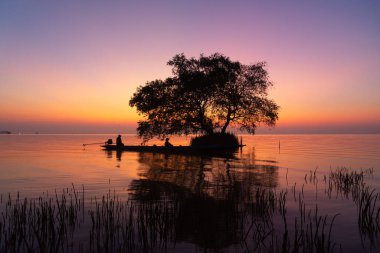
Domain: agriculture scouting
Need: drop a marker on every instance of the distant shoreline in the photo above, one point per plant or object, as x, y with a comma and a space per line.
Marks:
239, 134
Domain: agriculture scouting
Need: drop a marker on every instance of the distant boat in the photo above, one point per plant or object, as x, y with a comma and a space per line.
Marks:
5, 132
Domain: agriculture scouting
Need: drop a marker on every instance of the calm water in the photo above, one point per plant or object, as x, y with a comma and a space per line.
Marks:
211, 194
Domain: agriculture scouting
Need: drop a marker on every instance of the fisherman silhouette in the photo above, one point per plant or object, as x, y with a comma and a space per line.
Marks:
119, 143
167, 143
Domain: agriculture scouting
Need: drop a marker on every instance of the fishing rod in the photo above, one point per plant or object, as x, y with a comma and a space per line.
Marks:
109, 141
95, 143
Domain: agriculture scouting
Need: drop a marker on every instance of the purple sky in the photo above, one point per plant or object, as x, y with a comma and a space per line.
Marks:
72, 66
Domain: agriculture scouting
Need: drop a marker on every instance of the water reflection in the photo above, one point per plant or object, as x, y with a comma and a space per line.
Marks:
211, 197
225, 204
215, 177
110, 153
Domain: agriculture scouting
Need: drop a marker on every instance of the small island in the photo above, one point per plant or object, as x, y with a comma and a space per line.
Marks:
5, 132
205, 97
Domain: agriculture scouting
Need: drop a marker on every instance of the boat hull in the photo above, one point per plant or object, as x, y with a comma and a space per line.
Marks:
174, 150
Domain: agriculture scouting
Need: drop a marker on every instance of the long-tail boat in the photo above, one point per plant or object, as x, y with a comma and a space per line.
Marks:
209, 150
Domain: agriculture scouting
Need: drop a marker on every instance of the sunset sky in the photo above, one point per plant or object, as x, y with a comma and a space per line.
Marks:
72, 66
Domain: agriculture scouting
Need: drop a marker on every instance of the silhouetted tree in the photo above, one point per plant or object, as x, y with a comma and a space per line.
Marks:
205, 95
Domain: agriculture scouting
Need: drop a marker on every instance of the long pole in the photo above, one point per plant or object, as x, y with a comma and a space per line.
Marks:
95, 143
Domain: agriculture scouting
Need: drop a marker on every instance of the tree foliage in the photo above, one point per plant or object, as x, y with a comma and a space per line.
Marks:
205, 95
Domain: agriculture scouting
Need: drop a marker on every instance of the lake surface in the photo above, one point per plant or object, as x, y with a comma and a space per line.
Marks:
278, 193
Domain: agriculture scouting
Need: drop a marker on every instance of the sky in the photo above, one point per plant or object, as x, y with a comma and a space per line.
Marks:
72, 66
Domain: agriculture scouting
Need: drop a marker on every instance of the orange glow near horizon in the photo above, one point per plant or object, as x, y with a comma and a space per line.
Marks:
84, 69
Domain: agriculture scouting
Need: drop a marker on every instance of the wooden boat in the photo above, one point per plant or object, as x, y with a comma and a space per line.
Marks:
210, 150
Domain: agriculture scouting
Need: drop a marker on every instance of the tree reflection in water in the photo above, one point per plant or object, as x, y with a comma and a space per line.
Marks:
211, 197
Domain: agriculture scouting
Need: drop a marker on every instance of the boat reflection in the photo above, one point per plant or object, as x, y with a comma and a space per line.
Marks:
110, 153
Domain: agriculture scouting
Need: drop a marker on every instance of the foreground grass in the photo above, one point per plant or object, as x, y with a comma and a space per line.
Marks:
65, 222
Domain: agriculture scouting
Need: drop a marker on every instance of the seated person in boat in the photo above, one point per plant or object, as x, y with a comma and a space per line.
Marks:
119, 143
167, 143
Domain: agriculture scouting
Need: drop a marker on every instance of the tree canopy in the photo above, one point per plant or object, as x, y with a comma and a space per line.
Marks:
205, 96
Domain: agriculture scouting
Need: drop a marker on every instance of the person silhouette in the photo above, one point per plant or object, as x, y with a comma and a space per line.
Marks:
167, 143
119, 143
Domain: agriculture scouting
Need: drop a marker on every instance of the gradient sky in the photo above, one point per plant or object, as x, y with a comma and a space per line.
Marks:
72, 66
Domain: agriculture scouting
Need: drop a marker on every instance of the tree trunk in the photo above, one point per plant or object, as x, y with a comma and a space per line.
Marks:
228, 119
205, 126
